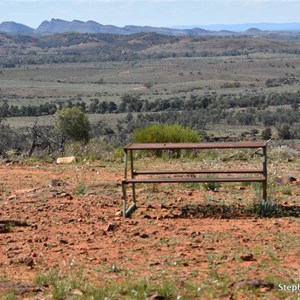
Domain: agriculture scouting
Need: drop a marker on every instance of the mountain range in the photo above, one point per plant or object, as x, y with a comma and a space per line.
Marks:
55, 26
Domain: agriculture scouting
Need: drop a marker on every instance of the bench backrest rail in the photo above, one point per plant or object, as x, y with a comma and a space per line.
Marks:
174, 172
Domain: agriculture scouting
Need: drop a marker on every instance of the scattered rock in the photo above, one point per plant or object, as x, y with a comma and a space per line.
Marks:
253, 283
147, 217
291, 179
77, 292
287, 179
155, 263
28, 261
111, 227
278, 180
20, 288
150, 206
247, 257
157, 297
57, 183
4, 228
66, 160
118, 213
144, 235
63, 195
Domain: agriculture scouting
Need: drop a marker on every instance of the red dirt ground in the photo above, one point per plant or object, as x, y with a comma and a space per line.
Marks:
73, 213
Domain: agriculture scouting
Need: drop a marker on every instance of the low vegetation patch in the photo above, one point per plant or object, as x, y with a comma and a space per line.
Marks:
165, 133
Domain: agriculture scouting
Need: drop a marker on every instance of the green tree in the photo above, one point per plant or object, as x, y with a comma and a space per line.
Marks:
4, 108
6, 139
74, 123
266, 134
284, 132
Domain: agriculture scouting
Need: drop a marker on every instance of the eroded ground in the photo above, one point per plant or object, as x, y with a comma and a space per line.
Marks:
68, 217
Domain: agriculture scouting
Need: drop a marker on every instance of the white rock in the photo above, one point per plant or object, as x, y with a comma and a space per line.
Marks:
65, 160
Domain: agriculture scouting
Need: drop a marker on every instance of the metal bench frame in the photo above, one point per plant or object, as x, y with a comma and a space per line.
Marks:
261, 176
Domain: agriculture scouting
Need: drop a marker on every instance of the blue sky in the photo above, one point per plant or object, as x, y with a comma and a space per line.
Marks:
151, 12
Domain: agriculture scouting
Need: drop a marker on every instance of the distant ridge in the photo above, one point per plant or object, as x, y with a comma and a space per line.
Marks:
61, 26
13, 27
244, 27
55, 26
253, 30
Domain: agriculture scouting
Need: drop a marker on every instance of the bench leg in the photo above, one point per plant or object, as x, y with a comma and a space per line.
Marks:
265, 200
265, 192
130, 209
124, 199
127, 211
133, 193
264, 184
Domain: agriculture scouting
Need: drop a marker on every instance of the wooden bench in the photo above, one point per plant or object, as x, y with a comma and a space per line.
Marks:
260, 174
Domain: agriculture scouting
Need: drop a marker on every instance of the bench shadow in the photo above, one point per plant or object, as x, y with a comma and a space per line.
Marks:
232, 212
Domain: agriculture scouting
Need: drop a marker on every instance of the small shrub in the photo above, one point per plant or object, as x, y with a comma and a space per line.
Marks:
192, 185
287, 191
62, 284
165, 133
211, 186
10, 227
47, 279
115, 269
81, 189
268, 209
10, 296
4, 189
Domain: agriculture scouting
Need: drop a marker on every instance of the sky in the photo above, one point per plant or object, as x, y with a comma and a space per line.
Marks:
156, 13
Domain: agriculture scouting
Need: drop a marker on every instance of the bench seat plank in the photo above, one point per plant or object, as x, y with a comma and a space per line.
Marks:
197, 146
193, 179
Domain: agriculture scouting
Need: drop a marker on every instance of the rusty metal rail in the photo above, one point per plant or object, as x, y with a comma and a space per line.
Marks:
132, 180
191, 172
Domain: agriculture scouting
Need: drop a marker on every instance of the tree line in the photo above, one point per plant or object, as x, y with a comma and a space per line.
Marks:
254, 104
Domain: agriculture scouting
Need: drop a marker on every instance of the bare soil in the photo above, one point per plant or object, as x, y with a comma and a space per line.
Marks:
69, 216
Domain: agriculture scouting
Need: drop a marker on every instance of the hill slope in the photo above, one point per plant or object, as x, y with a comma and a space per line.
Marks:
12, 27
61, 26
